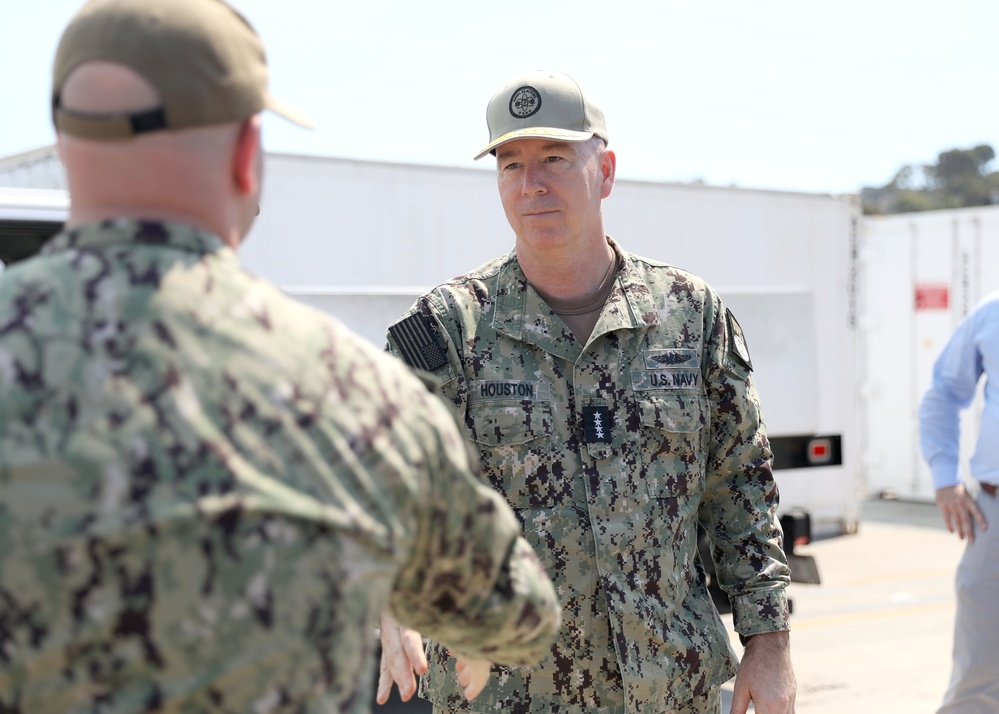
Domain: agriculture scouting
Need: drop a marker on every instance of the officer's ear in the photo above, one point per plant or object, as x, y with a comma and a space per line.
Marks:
248, 157
608, 167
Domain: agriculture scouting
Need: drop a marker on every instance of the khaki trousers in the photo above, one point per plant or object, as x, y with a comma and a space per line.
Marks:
974, 683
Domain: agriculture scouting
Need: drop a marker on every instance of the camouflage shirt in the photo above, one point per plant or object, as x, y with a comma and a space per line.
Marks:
610, 454
209, 492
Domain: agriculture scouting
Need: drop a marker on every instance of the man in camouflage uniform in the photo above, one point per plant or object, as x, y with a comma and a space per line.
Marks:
209, 492
612, 401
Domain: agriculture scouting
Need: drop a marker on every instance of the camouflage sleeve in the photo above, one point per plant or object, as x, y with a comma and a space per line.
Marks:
474, 584
740, 502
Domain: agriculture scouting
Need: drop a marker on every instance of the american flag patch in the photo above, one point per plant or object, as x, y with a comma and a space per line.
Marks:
419, 343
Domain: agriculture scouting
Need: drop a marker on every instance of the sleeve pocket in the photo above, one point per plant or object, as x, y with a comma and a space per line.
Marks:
673, 448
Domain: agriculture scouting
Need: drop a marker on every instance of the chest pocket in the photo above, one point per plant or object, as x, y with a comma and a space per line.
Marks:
673, 443
515, 445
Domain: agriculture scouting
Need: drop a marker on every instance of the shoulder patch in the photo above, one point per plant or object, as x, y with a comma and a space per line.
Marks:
419, 343
737, 346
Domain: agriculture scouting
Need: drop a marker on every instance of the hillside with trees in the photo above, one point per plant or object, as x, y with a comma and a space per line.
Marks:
959, 178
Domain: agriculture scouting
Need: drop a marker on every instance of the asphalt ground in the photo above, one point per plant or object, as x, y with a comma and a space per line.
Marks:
875, 635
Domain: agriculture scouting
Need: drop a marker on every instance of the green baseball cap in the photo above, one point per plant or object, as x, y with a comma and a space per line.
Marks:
542, 105
204, 60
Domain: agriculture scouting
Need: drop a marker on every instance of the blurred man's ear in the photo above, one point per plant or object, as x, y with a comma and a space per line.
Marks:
247, 160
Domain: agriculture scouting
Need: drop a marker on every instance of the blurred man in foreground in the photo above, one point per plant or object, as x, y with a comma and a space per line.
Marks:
209, 492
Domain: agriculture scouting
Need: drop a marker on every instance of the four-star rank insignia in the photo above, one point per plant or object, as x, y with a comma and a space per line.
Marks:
597, 424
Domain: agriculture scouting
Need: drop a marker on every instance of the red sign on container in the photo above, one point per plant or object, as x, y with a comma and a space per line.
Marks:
932, 296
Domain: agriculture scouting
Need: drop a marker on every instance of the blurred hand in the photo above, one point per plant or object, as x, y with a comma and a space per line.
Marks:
402, 659
960, 512
473, 674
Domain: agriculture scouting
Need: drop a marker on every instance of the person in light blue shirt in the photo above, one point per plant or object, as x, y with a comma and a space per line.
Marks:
972, 351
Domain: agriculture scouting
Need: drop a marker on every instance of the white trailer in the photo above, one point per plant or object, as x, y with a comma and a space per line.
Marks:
920, 274
362, 240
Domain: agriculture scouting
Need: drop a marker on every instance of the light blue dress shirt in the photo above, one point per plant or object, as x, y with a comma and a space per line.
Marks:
973, 350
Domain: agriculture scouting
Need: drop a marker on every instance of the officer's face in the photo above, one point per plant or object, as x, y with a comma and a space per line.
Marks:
551, 190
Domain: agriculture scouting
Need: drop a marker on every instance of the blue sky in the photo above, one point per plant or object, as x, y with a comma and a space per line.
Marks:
780, 94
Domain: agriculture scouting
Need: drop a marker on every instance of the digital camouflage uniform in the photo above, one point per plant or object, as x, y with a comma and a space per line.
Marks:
207, 491
610, 455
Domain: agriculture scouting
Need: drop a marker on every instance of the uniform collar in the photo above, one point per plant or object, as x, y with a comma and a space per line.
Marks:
130, 232
631, 305
522, 314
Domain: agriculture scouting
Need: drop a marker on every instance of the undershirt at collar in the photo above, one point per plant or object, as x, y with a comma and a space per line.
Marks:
580, 314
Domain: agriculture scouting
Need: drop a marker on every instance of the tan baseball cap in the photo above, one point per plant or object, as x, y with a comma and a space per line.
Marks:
204, 60
542, 105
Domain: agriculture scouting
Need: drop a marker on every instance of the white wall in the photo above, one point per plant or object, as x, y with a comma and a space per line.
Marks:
349, 223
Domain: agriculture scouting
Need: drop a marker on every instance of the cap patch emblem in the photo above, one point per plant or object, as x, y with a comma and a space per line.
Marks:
525, 102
